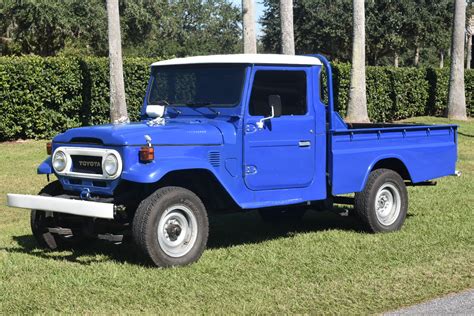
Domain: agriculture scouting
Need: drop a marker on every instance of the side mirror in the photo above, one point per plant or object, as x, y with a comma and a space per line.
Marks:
274, 101
155, 111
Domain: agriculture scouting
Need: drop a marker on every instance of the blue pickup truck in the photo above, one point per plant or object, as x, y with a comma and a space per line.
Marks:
229, 132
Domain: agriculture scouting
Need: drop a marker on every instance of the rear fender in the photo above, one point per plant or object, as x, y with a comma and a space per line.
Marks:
380, 159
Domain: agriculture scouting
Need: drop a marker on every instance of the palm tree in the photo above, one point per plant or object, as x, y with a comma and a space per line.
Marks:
287, 33
357, 107
456, 95
248, 21
118, 106
469, 44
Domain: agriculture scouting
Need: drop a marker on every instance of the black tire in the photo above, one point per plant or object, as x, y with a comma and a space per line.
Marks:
282, 214
163, 209
389, 185
40, 222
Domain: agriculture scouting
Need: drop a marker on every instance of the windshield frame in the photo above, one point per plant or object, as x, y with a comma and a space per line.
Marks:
242, 67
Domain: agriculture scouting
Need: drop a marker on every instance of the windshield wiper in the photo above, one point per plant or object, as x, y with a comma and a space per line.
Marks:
176, 111
198, 104
161, 102
205, 104
167, 105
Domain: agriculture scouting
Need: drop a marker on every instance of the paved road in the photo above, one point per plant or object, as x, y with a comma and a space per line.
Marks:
459, 304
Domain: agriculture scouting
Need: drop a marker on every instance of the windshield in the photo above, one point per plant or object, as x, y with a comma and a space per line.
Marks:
197, 85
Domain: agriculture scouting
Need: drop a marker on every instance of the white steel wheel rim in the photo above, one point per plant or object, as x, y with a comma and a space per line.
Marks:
388, 204
177, 230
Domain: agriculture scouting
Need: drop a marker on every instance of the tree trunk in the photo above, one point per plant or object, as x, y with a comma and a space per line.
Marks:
416, 60
248, 21
287, 33
441, 59
118, 106
395, 60
456, 95
469, 50
357, 107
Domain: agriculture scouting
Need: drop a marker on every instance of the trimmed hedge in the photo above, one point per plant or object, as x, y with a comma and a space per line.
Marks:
398, 93
469, 88
95, 92
41, 97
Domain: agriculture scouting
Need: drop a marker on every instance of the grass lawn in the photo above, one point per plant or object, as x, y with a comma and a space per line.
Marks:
323, 265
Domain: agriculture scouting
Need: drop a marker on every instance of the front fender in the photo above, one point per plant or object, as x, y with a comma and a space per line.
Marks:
46, 167
154, 171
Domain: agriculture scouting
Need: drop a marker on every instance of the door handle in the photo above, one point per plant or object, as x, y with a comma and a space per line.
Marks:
304, 143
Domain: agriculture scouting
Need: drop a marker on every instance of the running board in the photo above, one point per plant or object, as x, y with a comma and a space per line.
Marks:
421, 184
346, 200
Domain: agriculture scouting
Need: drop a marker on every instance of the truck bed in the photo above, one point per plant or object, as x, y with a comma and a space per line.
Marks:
379, 125
426, 151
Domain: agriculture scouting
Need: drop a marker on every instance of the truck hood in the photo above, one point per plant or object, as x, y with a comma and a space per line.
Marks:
194, 132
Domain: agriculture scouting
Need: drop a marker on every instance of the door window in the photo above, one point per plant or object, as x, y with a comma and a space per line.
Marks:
289, 85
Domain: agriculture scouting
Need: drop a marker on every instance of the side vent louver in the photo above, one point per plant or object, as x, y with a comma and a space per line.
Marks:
214, 158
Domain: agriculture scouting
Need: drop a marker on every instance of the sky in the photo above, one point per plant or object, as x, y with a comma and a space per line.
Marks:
258, 11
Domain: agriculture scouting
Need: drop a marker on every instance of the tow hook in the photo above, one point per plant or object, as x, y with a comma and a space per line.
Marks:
119, 209
85, 194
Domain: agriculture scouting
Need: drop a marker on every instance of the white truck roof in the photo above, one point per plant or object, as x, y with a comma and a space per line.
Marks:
272, 59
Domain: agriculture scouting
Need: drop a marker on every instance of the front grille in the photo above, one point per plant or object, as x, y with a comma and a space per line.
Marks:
86, 164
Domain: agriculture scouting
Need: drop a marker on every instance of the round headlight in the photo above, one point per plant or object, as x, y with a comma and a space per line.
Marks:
111, 165
59, 161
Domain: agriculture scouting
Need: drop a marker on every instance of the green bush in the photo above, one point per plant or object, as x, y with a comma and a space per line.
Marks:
41, 97
45, 96
94, 75
379, 99
341, 82
410, 92
469, 87
95, 78
136, 73
398, 93
439, 82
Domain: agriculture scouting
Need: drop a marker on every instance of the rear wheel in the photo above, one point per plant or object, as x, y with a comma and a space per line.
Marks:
171, 227
383, 204
50, 230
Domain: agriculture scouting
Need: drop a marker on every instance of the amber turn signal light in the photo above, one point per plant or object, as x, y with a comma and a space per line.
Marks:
147, 154
49, 148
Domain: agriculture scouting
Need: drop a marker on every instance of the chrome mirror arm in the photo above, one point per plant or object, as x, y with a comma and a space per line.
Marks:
261, 123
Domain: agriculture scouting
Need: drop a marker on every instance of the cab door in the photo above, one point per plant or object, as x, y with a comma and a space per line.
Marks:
280, 154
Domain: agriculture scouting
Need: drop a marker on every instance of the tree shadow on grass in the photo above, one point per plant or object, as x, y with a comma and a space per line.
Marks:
94, 251
248, 228
225, 231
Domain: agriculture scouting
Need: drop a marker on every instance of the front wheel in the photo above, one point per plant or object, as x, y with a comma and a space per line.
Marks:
383, 204
42, 222
171, 227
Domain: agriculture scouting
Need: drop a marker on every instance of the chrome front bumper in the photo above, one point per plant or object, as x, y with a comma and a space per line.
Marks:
60, 205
